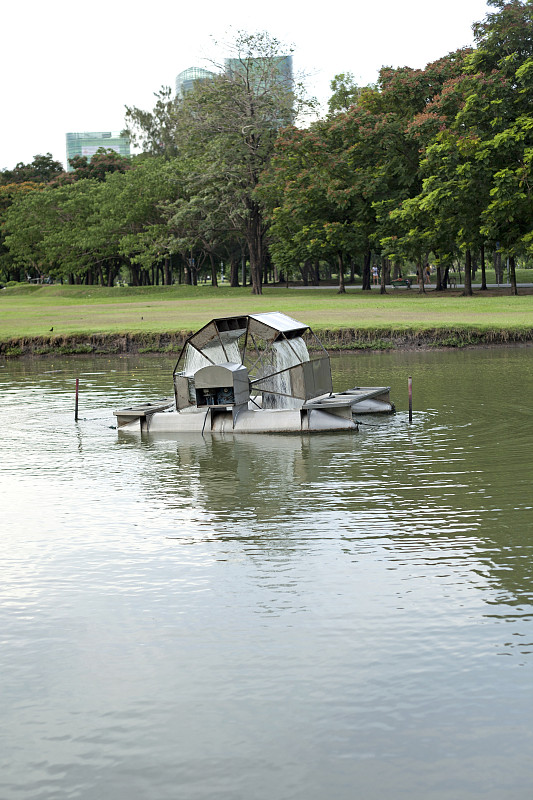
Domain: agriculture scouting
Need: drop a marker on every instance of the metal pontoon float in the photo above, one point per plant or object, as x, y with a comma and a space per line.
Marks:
254, 374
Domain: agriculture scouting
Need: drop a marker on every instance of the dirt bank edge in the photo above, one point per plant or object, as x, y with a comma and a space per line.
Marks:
343, 339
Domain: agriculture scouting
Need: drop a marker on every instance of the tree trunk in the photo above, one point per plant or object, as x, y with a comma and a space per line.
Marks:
233, 271
438, 280
483, 274
254, 240
187, 271
267, 276
498, 267
214, 281
420, 276
512, 275
167, 274
134, 275
366, 287
384, 271
342, 288
468, 275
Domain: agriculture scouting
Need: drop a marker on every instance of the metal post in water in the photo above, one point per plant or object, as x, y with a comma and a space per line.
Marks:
410, 384
76, 406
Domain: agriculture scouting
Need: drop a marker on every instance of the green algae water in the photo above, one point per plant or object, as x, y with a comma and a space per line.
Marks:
267, 617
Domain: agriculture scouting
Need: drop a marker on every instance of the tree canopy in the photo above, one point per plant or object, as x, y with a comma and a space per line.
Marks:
41, 170
432, 163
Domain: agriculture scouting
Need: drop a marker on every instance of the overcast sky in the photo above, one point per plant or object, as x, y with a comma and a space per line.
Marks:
73, 66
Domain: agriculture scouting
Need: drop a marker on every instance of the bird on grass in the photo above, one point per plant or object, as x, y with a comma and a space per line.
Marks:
51, 329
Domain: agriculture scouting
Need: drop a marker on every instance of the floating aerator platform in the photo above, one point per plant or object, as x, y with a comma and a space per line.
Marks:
260, 373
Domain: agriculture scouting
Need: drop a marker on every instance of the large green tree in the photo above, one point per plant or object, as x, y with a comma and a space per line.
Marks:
230, 123
476, 165
154, 131
42, 169
11, 193
327, 188
225, 129
103, 162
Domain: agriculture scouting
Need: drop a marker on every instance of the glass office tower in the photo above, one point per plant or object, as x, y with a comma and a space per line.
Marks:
276, 69
185, 80
87, 144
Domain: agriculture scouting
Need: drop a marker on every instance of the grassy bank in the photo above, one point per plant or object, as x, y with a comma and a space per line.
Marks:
155, 319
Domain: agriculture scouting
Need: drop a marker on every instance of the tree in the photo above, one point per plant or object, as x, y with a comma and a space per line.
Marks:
477, 166
41, 170
154, 131
131, 217
345, 92
227, 127
26, 222
231, 123
307, 192
505, 48
335, 185
10, 193
58, 232
102, 163
198, 224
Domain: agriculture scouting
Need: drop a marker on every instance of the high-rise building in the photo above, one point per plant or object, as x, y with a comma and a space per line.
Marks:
87, 144
185, 80
267, 77
276, 69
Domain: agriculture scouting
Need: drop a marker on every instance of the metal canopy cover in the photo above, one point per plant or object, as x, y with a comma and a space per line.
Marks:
268, 326
276, 322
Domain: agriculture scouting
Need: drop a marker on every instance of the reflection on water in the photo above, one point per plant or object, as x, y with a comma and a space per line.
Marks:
268, 616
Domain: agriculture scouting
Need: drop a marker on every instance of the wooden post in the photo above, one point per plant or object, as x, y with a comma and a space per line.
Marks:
76, 406
410, 384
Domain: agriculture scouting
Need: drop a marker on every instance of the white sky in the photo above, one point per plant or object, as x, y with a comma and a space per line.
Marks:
73, 66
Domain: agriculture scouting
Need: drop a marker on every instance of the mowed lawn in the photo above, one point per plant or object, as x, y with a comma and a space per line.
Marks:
34, 311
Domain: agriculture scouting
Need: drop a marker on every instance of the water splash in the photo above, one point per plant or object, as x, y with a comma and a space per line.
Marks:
285, 354
195, 360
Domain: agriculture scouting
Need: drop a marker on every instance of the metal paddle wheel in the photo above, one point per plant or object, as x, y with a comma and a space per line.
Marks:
257, 373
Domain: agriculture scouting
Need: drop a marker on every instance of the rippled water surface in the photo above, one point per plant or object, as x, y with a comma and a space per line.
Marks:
268, 618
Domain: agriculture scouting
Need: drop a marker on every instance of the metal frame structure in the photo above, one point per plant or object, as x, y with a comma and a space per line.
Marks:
230, 377
263, 330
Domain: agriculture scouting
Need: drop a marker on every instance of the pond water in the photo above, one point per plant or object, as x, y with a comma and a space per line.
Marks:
268, 618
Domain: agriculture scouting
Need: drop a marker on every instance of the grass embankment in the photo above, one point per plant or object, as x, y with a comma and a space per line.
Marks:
75, 319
